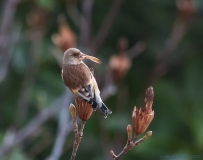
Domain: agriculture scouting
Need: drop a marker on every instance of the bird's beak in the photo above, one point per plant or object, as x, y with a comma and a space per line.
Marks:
94, 59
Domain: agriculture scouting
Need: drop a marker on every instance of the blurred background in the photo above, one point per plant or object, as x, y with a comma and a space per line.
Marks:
141, 43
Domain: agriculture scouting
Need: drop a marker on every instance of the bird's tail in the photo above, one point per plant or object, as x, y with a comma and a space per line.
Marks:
105, 111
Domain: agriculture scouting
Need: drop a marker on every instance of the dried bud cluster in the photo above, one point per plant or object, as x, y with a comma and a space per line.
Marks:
37, 19
142, 117
66, 37
120, 63
186, 9
84, 109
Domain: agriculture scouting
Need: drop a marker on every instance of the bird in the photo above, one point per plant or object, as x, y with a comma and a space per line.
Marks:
80, 80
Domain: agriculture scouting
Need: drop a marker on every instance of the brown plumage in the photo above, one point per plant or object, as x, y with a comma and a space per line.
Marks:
79, 79
75, 81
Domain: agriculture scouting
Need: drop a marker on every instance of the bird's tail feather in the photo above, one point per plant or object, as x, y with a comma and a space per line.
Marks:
105, 110
93, 104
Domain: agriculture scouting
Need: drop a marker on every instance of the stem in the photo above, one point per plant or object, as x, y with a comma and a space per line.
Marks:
143, 138
78, 137
82, 126
120, 155
97, 42
130, 145
135, 138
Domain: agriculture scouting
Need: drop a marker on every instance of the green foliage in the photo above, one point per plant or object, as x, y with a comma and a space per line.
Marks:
177, 126
47, 4
17, 154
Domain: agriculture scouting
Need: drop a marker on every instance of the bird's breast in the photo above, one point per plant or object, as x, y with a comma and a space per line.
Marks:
76, 76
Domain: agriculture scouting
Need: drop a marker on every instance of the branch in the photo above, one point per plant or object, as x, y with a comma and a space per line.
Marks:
33, 126
85, 22
78, 138
78, 135
29, 79
141, 118
178, 32
130, 145
6, 56
104, 30
7, 20
63, 131
137, 49
109, 87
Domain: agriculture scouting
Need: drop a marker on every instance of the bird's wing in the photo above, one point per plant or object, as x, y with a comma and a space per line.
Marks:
90, 93
93, 82
87, 93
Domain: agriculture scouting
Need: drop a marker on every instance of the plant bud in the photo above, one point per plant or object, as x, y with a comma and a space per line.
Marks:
84, 109
72, 110
149, 133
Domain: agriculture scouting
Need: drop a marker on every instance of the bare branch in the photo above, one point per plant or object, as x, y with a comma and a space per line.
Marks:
63, 131
97, 42
109, 88
85, 26
140, 121
29, 79
78, 135
129, 146
186, 10
33, 126
137, 49
149, 133
7, 20
6, 56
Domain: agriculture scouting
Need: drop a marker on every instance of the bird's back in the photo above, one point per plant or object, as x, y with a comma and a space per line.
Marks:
76, 76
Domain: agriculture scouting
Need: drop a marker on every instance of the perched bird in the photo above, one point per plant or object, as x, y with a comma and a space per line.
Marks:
80, 80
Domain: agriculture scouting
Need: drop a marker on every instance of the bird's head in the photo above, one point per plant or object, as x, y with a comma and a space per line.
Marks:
74, 56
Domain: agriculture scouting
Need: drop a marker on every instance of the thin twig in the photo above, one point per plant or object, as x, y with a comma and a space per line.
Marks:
97, 42
74, 14
137, 49
186, 10
78, 136
7, 20
135, 138
163, 65
130, 145
140, 121
85, 26
82, 127
109, 88
7, 55
29, 79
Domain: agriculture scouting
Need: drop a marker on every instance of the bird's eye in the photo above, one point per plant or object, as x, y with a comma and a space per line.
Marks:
75, 54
